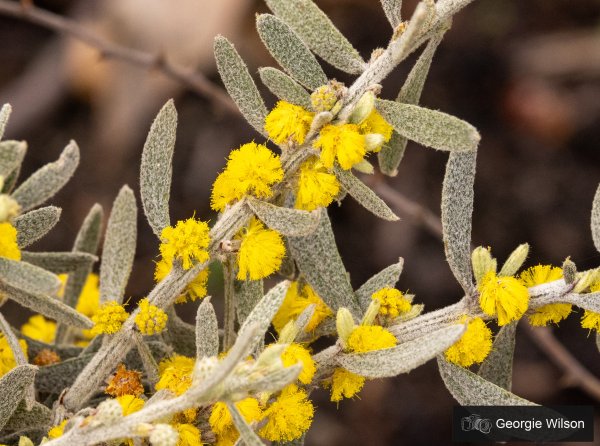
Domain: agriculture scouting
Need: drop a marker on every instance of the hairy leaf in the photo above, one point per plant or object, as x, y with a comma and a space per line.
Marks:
364, 195
48, 180
430, 128
457, 210
27, 277
156, 169
287, 221
180, 334
247, 294
596, 219
497, 367
239, 84
4, 115
470, 389
60, 262
284, 87
11, 156
207, 330
290, 51
318, 259
39, 415
247, 435
33, 225
392, 11
317, 31
13, 388
404, 357
387, 277
119, 247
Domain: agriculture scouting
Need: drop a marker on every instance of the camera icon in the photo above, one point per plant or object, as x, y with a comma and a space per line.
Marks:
476, 422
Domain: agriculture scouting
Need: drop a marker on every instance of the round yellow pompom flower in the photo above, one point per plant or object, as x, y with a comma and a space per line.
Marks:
186, 241
392, 302
175, 374
345, 384
109, 318
317, 187
289, 416
196, 289
189, 435
342, 142
288, 121
261, 251
504, 297
8, 242
295, 302
295, 353
7, 357
366, 338
221, 422
375, 123
474, 345
151, 319
40, 329
251, 170
537, 275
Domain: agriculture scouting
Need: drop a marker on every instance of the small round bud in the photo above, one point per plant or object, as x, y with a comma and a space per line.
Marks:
108, 412
569, 271
371, 313
326, 96
515, 260
363, 108
163, 435
344, 324
9, 208
374, 141
482, 262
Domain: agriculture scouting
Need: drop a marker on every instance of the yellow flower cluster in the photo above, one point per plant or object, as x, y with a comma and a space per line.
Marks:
175, 374
316, 187
8, 242
187, 241
474, 345
251, 170
504, 297
151, 319
109, 318
40, 329
289, 416
189, 435
58, 430
7, 358
288, 122
590, 319
295, 302
392, 302
89, 299
221, 422
196, 289
537, 275
261, 251
296, 353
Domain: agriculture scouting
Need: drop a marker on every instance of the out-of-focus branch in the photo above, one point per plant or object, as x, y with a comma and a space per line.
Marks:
190, 78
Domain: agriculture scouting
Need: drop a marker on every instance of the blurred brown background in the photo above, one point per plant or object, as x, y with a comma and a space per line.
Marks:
526, 73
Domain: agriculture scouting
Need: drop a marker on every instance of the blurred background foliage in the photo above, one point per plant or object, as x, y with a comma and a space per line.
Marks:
526, 73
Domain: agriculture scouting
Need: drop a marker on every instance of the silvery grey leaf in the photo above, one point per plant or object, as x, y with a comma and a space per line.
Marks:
59, 262
587, 301
284, 87
247, 435
48, 180
239, 84
119, 247
318, 259
55, 378
34, 346
156, 168
14, 386
39, 415
314, 28
11, 156
392, 11
404, 357
47, 306
290, 51
457, 211
4, 115
386, 278
392, 153
430, 128
596, 219
364, 195
180, 334
13, 342
207, 330
287, 221
33, 225
247, 294
497, 367
272, 381
149, 364
27, 277
470, 389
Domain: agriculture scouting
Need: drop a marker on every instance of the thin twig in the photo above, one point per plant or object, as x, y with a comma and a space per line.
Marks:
190, 78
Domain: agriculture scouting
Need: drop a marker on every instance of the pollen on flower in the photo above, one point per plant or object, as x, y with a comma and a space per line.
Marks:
151, 319
194, 290
591, 320
317, 187
125, 382
537, 275
186, 241
46, 357
289, 416
175, 374
251, 170
474, 345
8, 242
295, 353
221, 422
345, 384
189, 435
288, 122
504, 297
261, 251
109, 318
342, 142
366, 338
392, 302
40, 329
296, 300
130, 404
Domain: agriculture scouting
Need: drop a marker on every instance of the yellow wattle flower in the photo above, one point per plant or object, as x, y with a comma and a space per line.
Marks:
109, 318
175, 374
57, 431
537, 275
130, 404
473, 346
295, 302
151, 319
288, 122
375, 123
296, 353
366, 338
261, 251
8, 242
251, 170
89, 299
221, 422
189, 435
342, 142
392, 302
345, 384
504, 297
289, 416
196, 289
7, 358
317, 187
40, 329
187, 241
